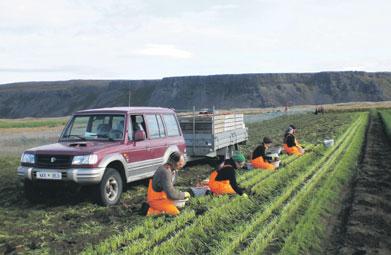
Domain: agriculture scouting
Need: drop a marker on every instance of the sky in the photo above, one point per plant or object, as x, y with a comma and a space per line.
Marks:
150, 39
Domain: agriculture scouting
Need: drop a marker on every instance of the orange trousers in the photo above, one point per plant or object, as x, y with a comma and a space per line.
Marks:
159, 203
295, 150
262, 164
219, 187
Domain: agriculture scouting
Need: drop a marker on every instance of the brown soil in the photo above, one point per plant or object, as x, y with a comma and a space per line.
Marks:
364, 224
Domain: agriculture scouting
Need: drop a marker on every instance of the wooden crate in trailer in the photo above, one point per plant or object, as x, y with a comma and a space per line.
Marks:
213, 134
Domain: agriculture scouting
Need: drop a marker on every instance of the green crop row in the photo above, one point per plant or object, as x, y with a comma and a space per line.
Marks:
243, 234
386, 118
312, 129
253, 177
308, 233
260, 175
299, 203
199, 235
261, 189
334, 125
145, 235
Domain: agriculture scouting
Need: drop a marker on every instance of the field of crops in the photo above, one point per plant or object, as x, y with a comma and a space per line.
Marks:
286, 211
281, 215
365, 225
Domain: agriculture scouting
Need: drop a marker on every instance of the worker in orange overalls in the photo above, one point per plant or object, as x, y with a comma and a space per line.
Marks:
259, 157
223, 180
291, 145
161, 192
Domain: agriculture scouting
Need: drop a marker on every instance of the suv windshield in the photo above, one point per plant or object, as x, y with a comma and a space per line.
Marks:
95, 127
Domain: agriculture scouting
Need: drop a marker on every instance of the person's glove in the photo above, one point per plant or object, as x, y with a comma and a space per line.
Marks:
244, 195
187, 195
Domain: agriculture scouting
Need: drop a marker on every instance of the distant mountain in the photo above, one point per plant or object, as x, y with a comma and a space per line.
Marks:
60, 98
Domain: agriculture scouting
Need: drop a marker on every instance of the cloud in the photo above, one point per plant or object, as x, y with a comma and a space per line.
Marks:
74, 69
163, 50
67, 39
30, 70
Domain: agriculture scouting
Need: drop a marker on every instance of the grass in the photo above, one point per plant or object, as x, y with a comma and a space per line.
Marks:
32, 123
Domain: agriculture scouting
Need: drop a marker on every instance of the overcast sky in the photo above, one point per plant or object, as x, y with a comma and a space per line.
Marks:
145, 39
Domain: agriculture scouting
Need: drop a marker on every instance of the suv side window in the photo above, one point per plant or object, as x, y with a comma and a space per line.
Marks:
161, 127
130, 128
171, 124
153, 126
137, 123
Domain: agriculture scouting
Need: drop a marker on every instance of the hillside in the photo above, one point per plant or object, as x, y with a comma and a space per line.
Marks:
60, 98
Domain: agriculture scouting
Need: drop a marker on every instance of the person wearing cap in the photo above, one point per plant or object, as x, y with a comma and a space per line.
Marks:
161, 191
223, 180
258, 159
291, 145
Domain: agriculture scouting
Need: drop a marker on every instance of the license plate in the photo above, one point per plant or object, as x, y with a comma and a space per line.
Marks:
49, 175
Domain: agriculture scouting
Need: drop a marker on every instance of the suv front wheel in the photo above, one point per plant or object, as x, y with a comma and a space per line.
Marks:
109, 190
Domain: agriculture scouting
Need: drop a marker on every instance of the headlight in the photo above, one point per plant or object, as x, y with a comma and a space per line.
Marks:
27, 158
85, 160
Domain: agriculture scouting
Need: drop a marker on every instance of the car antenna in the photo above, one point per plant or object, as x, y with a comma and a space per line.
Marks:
129, 96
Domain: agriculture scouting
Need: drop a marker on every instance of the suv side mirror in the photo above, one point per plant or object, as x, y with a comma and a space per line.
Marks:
139, 135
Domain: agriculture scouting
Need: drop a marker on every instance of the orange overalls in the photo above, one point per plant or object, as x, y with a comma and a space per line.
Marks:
261, 163
159, 203
295, 150
219, 187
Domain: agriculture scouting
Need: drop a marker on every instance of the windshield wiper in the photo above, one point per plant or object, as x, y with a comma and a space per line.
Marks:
78, 136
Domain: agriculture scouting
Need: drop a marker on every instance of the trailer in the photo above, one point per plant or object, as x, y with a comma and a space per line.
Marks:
211, 134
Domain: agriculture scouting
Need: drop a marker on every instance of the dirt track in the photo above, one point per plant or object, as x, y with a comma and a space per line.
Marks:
368, 219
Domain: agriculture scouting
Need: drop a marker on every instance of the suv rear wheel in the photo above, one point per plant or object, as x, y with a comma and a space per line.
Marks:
109, 190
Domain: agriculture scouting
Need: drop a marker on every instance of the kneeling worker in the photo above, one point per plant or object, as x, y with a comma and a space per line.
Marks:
259, 157
161, 192
291, 145
223, 180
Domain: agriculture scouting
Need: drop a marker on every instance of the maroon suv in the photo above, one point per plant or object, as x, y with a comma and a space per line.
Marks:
107, 148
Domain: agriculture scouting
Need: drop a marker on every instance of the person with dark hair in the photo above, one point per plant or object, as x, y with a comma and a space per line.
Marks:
258, 159
291, 145
161, 191
223, 180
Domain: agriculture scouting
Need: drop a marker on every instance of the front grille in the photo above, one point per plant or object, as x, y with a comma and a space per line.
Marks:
60, 161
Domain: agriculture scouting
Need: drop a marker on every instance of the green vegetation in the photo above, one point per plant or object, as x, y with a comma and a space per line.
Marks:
386, 118
31, 123
66, 223
241, 225
308, 233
